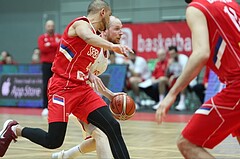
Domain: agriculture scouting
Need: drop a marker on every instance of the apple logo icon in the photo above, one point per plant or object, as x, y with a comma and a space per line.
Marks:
6, 87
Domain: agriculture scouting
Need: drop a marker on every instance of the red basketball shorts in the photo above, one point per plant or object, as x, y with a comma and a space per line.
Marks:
79, 99
216, 118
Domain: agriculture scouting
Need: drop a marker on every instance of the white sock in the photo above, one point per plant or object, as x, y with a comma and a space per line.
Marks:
72, 153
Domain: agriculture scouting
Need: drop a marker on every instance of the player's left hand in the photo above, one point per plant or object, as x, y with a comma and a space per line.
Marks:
164, 107
121, 49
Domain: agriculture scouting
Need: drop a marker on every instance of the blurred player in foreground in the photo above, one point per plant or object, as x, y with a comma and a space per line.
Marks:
215, 28
68, 91
95, 138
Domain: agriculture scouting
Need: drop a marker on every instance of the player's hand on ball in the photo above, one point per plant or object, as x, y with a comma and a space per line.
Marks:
96, 82
118, 93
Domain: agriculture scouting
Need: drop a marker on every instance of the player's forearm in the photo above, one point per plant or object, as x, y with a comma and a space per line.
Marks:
107, 93
97, 41
84, 31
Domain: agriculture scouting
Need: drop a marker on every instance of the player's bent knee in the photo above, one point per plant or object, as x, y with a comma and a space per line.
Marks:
99, 136
54, 144
183, 144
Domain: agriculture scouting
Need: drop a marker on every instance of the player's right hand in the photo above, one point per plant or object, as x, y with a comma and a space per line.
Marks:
121, 49
96, 83
164, 107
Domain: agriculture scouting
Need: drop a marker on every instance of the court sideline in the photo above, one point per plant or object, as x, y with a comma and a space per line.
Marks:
144, 138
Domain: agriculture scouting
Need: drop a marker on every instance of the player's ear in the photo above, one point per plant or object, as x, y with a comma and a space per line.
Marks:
102, 12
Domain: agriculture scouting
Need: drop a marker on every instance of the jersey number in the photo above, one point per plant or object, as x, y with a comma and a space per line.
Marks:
233, 16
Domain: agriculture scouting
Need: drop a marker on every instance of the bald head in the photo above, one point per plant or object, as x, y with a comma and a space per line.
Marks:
49, 22
114, 21
114, 31
96, 5
50, 27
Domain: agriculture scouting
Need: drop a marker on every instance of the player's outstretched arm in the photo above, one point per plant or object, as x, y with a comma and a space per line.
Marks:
84, 31
201, 51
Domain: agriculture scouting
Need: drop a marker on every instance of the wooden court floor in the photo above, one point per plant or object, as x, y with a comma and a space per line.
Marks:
144, 139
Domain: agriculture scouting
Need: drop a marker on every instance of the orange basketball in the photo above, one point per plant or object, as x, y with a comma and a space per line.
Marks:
122, 107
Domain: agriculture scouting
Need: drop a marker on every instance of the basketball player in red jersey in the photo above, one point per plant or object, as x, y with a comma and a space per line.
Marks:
215, 28
95, 139
68, 91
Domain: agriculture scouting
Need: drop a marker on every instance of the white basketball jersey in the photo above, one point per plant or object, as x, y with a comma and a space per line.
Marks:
100, 64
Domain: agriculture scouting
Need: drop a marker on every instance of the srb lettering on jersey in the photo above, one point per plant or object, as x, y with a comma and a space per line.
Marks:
93, 52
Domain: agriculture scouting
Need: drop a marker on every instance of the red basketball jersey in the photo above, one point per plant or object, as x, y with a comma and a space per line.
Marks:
223, 19
74, 57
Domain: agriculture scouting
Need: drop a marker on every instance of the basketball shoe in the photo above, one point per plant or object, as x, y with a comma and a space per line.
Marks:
6, 136
58, 155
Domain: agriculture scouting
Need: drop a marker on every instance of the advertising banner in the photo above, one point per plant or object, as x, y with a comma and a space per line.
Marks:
21, 90
147, 38
21, 85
